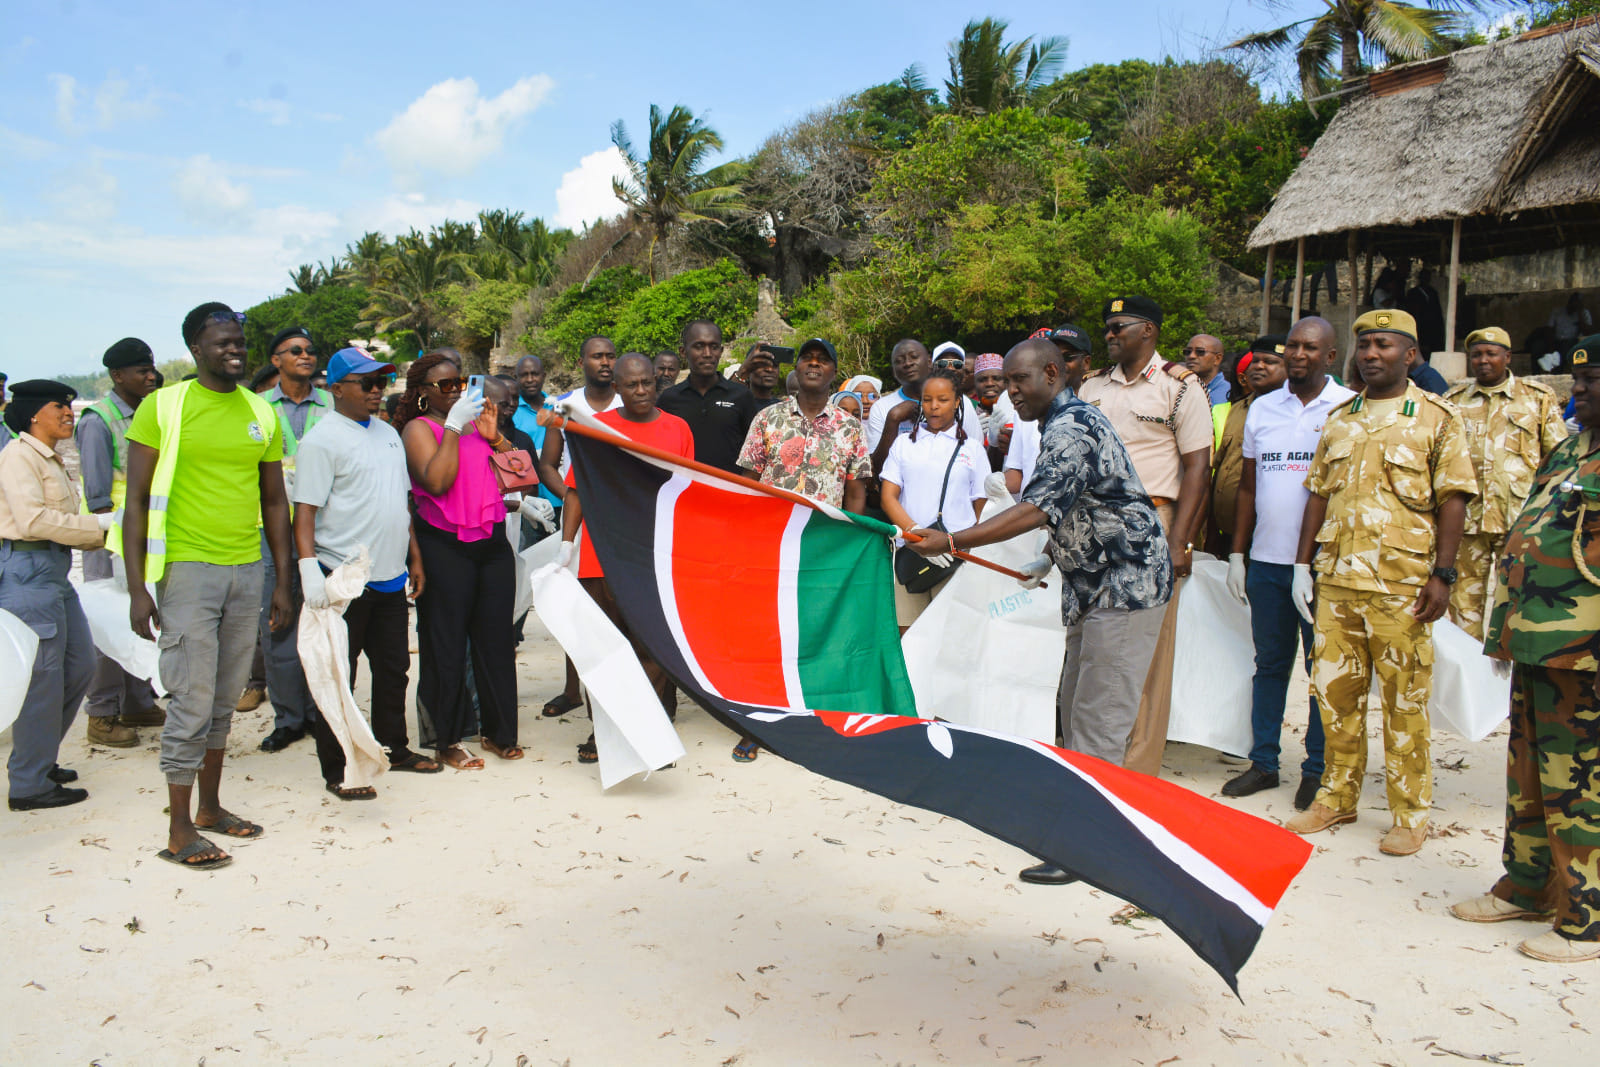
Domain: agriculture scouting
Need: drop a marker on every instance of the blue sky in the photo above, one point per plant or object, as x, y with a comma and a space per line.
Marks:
157, 154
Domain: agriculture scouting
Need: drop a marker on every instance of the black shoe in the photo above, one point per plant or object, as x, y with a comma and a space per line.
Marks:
1309, 784
1252, 781
1047, 874
59, 797
61, 775
281, 738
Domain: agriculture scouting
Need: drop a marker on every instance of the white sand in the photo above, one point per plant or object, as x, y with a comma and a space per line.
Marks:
720, 914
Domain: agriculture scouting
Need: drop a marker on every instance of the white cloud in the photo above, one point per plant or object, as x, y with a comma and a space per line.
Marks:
452, 128
84, 194
116, 101
16, 145
401, 212
66, 99
276, 112
206, 193
585, 191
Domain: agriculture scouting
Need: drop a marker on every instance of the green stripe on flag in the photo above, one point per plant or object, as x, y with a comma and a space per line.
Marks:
849, 657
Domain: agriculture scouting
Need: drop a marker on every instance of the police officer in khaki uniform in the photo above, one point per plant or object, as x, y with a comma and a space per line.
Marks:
1389, 487
1161, 412
1514, 425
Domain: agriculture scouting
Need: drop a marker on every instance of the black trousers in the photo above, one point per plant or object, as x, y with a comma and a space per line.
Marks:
470, 594
379, 628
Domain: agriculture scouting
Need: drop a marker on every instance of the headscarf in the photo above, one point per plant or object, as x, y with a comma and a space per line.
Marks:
854, 384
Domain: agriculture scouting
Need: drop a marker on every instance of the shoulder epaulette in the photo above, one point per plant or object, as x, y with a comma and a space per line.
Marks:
1538, 387
1440, 402
1459, 387
1351, 402
1177, 370
1101, 373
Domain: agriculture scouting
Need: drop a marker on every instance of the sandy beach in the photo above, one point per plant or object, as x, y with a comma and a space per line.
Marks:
722, 914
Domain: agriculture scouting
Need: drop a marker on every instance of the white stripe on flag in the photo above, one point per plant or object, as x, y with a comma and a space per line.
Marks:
666, 509
789, 605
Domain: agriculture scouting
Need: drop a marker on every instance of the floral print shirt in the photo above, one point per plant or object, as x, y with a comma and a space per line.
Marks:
812, 457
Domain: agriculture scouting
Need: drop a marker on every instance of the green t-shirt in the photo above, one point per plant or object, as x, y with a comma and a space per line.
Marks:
215, 502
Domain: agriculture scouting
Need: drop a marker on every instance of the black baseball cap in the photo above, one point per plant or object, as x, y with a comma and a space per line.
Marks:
1071, 336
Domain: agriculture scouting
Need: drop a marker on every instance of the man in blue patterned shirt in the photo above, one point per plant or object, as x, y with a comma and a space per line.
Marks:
1109, 545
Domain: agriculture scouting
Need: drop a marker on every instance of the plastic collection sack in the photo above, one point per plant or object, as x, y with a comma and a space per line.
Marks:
324, 645
105, 604
18, 645
1212, 664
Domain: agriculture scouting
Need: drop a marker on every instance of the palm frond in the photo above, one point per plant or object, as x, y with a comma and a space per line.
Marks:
1407, 32
1270, 40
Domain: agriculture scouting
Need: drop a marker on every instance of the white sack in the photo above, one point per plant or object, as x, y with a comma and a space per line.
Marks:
1468, 697
18, 645
1213, 663
987, 652
529, 558
324, 645
106, 605
631, 730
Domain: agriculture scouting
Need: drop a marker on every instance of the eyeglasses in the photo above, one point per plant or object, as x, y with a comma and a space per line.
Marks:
296, 350
374, 381
1118, 327
950, 363
449, 385
1200, 352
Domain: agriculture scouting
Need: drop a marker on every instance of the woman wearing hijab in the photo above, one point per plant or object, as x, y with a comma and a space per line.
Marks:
40, 525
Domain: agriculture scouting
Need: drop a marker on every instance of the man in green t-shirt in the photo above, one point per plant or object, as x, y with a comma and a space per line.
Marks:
204, 459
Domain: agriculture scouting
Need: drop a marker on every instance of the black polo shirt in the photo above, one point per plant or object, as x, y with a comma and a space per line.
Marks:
719, 419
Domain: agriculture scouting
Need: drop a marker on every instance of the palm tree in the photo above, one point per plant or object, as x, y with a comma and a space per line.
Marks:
1363, 34
513, 250
414, 268
363, 259
988, 74
667, 188
309, 277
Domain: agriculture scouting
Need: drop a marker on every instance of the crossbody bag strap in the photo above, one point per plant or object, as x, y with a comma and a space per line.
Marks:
945, 488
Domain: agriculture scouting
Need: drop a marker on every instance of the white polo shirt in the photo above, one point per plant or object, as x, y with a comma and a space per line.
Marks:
1280, 435
1023, 452
356, 477
917, 467
579, 400
880, 415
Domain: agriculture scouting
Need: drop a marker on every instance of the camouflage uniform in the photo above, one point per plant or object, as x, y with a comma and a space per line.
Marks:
1514, 425
1546, 619
1384, 467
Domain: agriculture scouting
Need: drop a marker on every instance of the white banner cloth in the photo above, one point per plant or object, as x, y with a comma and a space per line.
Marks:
324, 645
631, 729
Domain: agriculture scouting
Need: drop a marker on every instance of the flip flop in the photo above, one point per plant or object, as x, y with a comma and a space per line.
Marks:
233, 826
459, 758
510, 752
417, 763
588, 753
359, 792
195, 848
558, 706
746, 751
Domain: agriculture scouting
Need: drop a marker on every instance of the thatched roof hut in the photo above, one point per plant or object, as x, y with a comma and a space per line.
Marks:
1489, 151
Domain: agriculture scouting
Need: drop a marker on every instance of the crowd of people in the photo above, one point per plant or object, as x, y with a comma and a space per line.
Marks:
1352, 517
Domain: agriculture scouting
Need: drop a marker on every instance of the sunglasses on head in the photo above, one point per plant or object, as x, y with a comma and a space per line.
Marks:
226, 317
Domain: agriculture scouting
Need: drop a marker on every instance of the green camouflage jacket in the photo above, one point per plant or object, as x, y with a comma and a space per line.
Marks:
1547, 604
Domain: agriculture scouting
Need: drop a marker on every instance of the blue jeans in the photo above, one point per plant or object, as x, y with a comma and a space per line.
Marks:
1275, 627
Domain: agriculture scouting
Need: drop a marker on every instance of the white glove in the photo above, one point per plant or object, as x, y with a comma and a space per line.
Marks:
1035, 569
1236, 577
1549, 361
463, 413
312, 585
1502, 668
538, 511
1303, 592
107, 519
564, 556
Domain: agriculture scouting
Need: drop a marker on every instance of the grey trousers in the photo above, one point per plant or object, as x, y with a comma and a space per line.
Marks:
208, 630
112, 690
34, 588
1102, 677
292, 706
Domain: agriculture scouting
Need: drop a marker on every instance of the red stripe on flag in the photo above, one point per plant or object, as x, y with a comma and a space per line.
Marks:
725, 551
850, 724
1259, 856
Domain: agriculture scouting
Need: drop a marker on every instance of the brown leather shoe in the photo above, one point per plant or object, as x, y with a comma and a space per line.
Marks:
250, 700
149, 717
107, 730
1403, 840
1491, 909
1316, 818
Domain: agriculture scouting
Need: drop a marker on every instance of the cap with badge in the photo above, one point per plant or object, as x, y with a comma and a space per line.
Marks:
1074, 337
1586, 353
1489, 335
1387, 320
1138, 307
29, 397
128, 352
1270, 345
352, 362
288, 333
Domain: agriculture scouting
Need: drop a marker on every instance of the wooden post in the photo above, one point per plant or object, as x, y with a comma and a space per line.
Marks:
1455, 277
1266, 290
1299, 279
1352, 253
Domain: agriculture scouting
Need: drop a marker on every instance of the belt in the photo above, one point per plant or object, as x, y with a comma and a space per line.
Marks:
28, 546
1161, 501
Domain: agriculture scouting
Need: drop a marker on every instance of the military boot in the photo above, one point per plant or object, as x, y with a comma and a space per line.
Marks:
108, 730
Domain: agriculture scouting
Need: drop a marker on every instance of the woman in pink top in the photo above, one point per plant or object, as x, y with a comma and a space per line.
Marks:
470, 573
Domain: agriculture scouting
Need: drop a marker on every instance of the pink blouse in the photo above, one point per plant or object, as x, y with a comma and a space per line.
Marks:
472, 506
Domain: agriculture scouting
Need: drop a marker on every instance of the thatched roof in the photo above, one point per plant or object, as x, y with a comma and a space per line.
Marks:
1486, 131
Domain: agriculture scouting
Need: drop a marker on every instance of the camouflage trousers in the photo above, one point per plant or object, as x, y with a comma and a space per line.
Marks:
1552, 849
1475, 560
1360, 633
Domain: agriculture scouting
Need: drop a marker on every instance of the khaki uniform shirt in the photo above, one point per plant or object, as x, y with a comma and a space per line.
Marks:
1514, 426
1161, 414
37, 500
1385, 468
1230, 466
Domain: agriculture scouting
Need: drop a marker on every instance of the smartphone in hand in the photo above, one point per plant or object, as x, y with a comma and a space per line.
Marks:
475, 387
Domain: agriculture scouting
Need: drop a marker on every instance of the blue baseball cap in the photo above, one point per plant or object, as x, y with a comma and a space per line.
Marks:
349, 361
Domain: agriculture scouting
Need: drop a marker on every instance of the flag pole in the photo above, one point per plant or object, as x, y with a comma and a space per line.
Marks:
552, 419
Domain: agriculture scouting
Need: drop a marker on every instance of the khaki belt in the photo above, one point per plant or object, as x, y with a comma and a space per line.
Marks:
29, 546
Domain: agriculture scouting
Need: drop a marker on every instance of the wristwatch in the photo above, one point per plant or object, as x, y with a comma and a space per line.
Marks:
1447, 575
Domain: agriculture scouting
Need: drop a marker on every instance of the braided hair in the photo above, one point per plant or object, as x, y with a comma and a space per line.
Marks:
416, 376
954, 378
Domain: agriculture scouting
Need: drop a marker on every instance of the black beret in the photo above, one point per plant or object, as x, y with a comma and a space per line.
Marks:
1272, 344
128, 352
284, 335
29, 396
1140, 307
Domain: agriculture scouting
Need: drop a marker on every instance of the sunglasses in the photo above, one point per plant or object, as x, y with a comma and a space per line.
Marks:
950, 362
1200, 352
296, 350
373, 381
449, 385
1118, 327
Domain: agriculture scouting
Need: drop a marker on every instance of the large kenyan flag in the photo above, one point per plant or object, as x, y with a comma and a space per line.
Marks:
778, 618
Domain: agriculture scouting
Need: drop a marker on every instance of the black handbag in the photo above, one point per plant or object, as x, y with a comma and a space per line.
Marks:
919, 573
